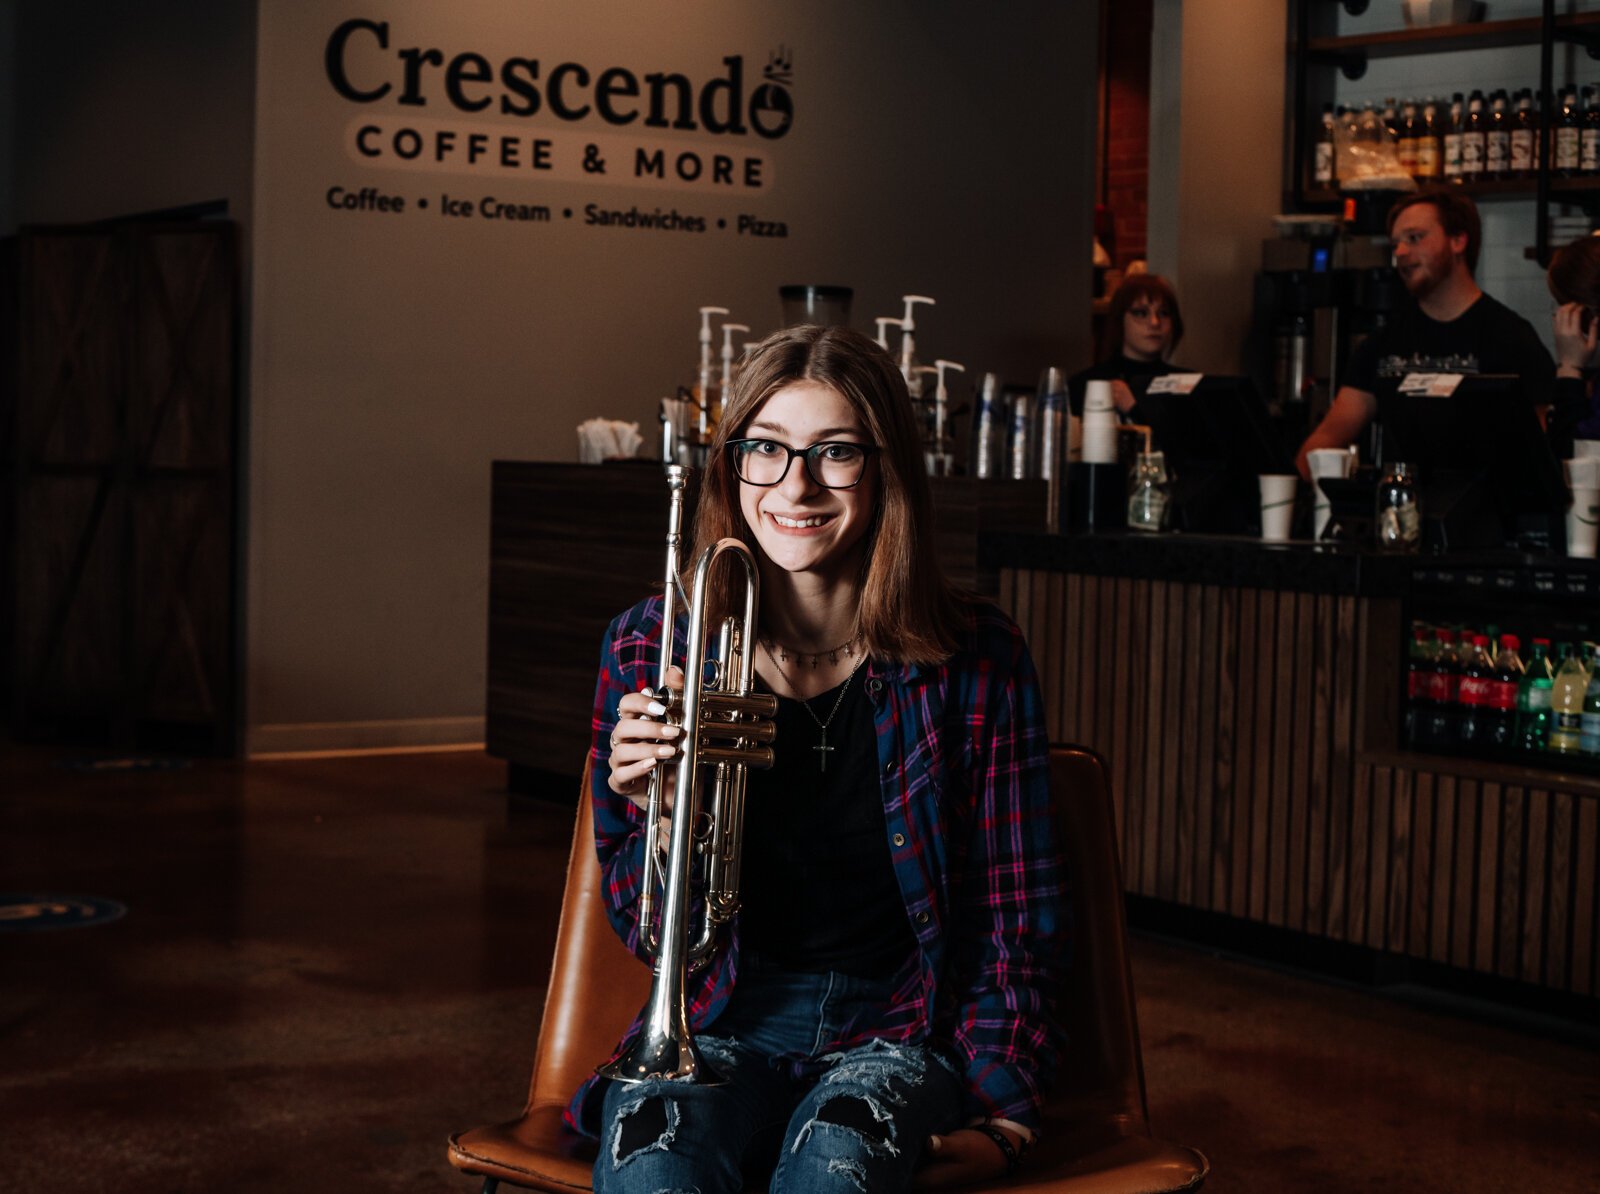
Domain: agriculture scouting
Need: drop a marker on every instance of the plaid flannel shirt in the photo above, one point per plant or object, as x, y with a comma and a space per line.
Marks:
963, 766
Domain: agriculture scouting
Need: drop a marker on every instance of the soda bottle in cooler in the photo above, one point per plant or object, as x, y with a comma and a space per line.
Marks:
1566, 702
1508, 671
1589, 734
1533, 700
1419, 662
1439, 721
1473, 695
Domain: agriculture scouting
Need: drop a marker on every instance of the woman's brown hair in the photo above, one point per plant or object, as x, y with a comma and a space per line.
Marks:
1150, 287
1574, 275
909, 612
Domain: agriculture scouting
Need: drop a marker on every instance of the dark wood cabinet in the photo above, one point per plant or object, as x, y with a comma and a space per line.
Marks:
121, 417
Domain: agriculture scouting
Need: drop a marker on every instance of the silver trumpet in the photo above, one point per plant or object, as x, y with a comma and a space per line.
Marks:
727, 729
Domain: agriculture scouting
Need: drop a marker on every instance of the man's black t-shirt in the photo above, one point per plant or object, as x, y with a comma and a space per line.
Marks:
1488, 337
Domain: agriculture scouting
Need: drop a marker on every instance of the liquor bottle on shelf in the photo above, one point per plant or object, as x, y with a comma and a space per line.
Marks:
1322, 165
1589, 134
1568, 135
1497, 139
1524, 132
1533, 700
1430, 152
1406, 138
1473, 695
1475, 139
1503, 696
1566, 702
1391, 119
1438, 729
1450, 137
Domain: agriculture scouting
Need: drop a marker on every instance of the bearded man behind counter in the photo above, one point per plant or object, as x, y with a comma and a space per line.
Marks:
1453, 327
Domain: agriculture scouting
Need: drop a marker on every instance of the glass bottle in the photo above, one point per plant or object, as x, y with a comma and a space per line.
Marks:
1399, 509
1497, 139
1450, 136
1406, 131
1474, 138
1589, 135
1521, 164
1568, 134
1322, 164
1430, 155
1148, 493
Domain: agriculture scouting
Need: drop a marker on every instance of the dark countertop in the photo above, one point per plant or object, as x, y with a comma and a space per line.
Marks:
1246, 562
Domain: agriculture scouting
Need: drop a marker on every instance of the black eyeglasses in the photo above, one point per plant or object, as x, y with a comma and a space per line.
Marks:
832, 464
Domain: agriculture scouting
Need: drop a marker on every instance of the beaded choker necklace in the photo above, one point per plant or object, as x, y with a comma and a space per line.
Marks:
780, 654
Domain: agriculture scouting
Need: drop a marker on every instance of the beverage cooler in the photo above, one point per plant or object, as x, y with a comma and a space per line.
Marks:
1503, 663
1320, 292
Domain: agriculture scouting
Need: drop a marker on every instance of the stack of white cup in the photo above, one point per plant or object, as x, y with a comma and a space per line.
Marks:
1327, 462
1277, 505
1583, 516
1099, 424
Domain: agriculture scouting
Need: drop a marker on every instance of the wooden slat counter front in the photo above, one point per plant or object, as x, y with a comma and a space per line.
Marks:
1247, 697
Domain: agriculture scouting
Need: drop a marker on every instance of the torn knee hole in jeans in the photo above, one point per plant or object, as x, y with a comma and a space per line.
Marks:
861, 1115
642, 1127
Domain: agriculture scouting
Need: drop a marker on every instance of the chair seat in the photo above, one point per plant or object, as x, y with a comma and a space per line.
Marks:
535, 1151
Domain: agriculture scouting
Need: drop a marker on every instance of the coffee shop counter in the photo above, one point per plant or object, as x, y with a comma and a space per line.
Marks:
1247, 697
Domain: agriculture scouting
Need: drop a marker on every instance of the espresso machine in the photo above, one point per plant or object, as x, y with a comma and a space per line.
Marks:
1320, 292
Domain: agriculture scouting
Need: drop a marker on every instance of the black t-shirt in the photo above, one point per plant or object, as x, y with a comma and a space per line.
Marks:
1488, 337
817, 885
1118, 368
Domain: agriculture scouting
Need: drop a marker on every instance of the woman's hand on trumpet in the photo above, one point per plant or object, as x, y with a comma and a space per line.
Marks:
641, 742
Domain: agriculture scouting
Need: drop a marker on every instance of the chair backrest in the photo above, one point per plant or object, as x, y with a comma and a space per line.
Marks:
1102, 1075
596, 986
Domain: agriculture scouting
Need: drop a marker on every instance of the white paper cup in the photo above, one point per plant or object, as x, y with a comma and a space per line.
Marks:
1583, 472
1585, 447
1099, 437
1583, 521
1097, 396
1277, 505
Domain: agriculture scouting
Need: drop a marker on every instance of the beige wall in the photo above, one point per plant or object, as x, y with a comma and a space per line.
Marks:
1216, 179
943, 148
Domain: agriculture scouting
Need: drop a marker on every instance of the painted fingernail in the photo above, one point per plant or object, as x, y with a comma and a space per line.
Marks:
671, 731
656, 709
664, 751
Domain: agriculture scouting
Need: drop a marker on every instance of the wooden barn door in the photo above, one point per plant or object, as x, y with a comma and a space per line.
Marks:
123, 481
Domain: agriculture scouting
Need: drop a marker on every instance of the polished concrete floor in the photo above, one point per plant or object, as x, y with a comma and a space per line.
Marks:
327, 966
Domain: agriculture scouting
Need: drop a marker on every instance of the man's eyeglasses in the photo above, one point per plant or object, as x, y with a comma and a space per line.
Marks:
832, 464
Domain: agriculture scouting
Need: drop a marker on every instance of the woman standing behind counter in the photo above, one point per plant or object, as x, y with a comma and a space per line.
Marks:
1574, 281
1143, 327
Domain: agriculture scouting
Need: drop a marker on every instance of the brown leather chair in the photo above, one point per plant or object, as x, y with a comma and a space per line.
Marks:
1096, 1137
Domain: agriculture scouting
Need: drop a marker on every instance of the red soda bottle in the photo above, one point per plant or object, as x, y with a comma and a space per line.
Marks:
1472, 694
1508, 671
1419, 662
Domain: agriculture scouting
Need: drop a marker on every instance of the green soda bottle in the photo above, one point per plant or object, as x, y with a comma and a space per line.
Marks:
1533, 700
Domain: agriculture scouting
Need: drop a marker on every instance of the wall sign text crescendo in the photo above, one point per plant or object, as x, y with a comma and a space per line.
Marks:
361, 69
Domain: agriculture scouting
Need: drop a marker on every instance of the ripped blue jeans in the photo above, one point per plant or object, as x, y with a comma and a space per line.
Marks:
861, 1125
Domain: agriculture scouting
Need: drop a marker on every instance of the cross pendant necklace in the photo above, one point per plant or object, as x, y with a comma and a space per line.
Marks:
822, 748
